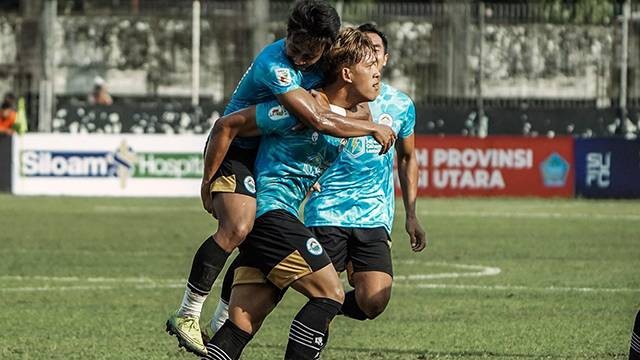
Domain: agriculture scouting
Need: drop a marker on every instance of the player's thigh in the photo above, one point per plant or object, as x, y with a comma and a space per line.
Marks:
334, 241
250, 304
323, 283
369, 249
236, 212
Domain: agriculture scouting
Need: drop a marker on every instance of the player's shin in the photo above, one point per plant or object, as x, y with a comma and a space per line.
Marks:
227, 343
309, 330
207, 264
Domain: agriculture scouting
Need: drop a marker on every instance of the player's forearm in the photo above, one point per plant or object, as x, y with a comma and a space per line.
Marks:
408, 174
339, 126
217, 147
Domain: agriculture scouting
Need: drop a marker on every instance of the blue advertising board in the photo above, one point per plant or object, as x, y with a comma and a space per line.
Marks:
607, 167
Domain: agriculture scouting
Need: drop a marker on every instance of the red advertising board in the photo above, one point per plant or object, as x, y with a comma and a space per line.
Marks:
494, 166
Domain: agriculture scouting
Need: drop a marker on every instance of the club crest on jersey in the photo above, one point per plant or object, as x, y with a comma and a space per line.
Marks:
250, 184
284, 76
314, 246
278, 113
314, 137
385, 119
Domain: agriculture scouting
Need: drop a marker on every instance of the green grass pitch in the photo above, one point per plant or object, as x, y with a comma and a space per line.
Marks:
96, 278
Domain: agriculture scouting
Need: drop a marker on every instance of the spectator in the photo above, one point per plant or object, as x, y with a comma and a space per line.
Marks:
8, 115
99, 95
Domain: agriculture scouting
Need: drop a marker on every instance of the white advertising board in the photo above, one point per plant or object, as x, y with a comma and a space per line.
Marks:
107, 165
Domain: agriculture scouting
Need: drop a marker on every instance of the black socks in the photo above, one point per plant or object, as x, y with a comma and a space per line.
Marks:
634, 352
227, 343
207, 264
309, 329
350, 307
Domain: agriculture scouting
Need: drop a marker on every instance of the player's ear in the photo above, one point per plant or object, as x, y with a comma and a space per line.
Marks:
386, 58
346, 75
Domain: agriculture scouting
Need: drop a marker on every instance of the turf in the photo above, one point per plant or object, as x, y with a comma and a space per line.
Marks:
95, 278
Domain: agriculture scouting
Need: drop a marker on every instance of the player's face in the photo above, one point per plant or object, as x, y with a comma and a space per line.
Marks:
365, 78
379, 46
303, 54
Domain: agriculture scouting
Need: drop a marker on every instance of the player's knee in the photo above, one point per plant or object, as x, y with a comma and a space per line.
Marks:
374, 308
240, 231
334, 292
230, 236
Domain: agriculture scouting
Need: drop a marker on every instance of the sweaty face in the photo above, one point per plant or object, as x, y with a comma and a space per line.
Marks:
366, 78
379, 46
302, 52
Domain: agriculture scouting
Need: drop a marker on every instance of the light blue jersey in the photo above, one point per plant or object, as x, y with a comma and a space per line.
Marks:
357, 190
271, 74
288, 162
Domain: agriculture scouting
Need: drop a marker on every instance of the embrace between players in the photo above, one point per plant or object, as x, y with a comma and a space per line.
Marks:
276, 140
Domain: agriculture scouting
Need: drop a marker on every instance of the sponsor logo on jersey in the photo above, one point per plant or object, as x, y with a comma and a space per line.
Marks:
314, 137
385, 119
250, 184
278, 113
283, 75
314, 246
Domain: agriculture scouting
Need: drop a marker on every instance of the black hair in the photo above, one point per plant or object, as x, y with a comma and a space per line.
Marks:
9, 101
371, 28
315, 19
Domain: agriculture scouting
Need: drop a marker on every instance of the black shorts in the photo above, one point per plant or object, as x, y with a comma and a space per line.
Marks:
235, 174
368, 249
279, 249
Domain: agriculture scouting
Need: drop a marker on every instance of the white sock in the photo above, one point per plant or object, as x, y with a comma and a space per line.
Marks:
191, 304
220, 315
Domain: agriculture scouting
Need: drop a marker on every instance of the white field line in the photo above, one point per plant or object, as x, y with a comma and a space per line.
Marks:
73, 283
518, 288
532, 215
477, 271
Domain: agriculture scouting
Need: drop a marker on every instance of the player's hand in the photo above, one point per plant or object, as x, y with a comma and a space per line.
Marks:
385, 136
417, 236
316, 187
207, 199
320, 98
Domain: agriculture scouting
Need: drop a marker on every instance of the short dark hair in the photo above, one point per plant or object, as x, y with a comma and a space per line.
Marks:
371, 28
314, 19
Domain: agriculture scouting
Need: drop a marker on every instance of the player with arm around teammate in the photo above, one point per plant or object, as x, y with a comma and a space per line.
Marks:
282, 71
353, 212
280, 252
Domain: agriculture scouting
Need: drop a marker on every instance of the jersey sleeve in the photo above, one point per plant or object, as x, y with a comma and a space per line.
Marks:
409, 122
271, 118
278, 77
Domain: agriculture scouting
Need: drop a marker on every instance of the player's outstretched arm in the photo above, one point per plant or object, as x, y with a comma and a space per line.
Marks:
241, 123
408, 174
303, 105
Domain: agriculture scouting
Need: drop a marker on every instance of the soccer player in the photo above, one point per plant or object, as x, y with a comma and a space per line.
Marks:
280, 252
282, 71
634, 351
353, 212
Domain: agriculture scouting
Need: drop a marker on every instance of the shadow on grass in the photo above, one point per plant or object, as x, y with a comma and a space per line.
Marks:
378, 353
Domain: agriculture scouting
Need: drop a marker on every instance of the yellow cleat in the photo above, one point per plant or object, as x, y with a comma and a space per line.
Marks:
187, 330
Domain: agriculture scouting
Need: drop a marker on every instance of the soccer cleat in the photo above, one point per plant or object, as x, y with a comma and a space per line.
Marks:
187, 330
